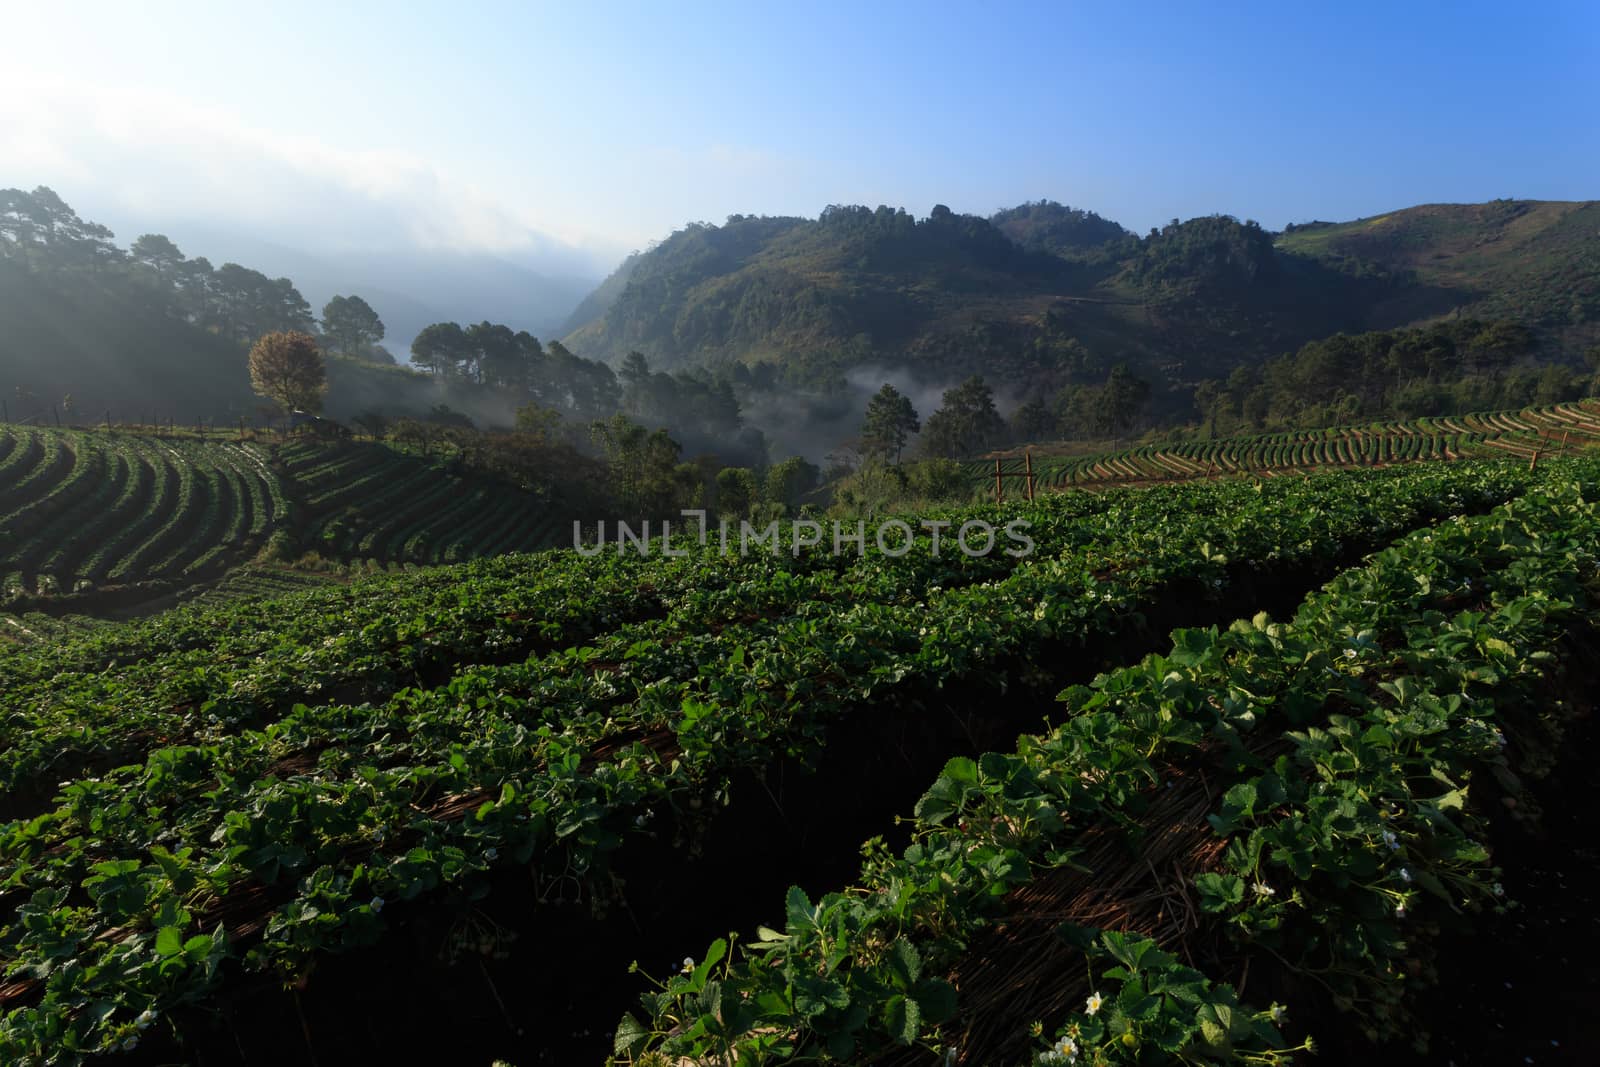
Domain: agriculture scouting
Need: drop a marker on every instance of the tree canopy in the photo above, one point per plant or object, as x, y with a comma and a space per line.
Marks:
287, 367
966, 422
890, 419
351, 324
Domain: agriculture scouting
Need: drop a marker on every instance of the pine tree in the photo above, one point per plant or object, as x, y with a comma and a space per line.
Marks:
890, 418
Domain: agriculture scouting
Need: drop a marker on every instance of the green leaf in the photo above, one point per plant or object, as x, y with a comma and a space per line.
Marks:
1240, 800
169, 941
630, 1037
1126, 949
903, 1019
1136, 1004
962, 770
714, 954
802, 917
906, 961
1218, 892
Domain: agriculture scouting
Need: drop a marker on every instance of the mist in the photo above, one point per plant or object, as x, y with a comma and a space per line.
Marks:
409, 288
815, 423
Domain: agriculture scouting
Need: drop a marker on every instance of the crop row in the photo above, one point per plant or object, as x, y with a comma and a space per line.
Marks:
35, 628
196, 671
370, 501
193, 671
1314, 788
270, 845
1520, 433
83, 509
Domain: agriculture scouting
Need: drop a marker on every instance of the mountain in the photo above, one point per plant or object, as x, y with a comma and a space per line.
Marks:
1046, 226
806, 318
851, 287
1044, 294
594, 306
1534, 260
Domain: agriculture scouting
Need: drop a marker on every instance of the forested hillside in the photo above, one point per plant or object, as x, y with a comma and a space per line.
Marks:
92, 331
1044, 295
777, 329
1538, 261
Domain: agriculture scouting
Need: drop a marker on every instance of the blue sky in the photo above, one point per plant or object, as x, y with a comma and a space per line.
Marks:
590, 129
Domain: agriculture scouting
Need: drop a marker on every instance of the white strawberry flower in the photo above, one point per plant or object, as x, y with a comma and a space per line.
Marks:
1092, 1005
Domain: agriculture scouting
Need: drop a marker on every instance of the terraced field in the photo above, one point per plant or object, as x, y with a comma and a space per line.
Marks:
80, 510
371, 502
1544, 430
83, 512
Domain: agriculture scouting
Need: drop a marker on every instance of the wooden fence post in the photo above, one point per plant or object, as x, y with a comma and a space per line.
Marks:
1027, 459
999, 484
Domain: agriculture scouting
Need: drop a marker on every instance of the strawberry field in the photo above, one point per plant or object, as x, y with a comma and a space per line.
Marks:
463, 799
1549, 430
371, 502
82, 510
1311, 796
92, 519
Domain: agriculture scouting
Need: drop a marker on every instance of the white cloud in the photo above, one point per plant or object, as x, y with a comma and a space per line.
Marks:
155, 154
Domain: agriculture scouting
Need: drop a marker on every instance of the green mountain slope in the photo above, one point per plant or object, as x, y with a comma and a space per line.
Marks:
598, 302
1534, 260
849, 287
79, 346
1042, 294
